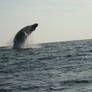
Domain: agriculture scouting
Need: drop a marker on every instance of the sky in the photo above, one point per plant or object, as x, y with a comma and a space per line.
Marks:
59, 20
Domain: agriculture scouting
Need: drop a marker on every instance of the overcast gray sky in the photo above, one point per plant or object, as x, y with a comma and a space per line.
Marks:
59, 20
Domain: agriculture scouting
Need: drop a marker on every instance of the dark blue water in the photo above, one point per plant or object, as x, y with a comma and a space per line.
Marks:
54, 67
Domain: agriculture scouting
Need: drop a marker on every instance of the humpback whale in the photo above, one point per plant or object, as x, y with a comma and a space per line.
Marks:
22, 35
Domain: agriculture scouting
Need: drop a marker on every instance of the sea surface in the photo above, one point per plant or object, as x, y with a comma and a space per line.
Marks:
53, 67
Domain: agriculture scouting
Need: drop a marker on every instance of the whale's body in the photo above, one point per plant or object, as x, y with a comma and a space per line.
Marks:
22, 35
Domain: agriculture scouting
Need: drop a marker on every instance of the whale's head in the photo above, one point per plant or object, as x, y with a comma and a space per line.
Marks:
30, 28
33, 27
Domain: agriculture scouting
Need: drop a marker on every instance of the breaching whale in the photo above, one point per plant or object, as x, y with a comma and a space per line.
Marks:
22, 35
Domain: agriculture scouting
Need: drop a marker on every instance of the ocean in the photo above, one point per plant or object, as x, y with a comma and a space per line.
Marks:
53, 67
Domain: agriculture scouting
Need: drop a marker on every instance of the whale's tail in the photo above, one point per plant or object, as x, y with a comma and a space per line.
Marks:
21, 36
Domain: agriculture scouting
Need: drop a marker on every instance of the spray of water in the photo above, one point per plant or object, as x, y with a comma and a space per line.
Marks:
30, 43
